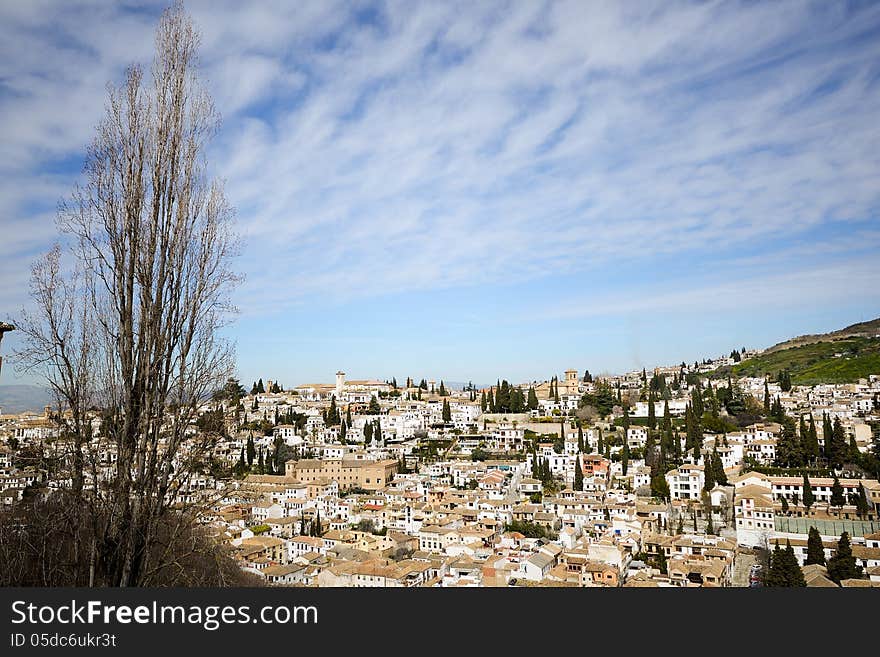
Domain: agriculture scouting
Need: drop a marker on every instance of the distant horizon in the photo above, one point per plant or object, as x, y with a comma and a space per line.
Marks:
495, 191
9, 379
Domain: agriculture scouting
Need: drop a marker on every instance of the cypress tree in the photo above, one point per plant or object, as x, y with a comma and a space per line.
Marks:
766, 398
708, 476
697, 400
261, 466
815, 549
652, 418
251, 451
808, 497
826, 435
532, 400
843, 564
854, 453
838, 448
862, 506
720, 474
483, 401
600, 448
240, 466
578, 473
332, 414
784, 568
624, 456
368, 433
777, 413
377, 433
773, 577
580, 439
649, 450
804, 434
794, 574
811, 449
667, 416
661, 560
837, 498
447, 411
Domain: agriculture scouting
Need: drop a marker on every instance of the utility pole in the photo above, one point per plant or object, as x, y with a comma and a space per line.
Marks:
4, 327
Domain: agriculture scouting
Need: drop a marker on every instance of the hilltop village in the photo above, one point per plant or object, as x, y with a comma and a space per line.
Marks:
675, 477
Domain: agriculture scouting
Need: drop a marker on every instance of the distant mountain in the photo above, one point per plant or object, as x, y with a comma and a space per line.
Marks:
842, 356
21, 398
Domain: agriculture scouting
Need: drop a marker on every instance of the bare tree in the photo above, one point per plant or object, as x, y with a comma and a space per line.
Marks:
134, 329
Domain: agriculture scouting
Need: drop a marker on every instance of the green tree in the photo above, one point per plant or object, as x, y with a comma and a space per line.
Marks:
240, 466
843, 564
808, 497
766, 398
652, 418
789, 452
447, 411
578, 473
251, 451
374, 408
815, 549
837, 498
333, 413
811, 444
660, 487
861, 501
532, 400
836, 450
708, 475
784, 569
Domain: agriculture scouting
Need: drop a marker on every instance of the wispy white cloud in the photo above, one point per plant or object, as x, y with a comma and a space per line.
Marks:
411, 146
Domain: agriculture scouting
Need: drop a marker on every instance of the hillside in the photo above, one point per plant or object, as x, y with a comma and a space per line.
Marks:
829, 360
869, 329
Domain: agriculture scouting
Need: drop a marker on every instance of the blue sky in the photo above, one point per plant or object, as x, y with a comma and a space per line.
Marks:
483, 190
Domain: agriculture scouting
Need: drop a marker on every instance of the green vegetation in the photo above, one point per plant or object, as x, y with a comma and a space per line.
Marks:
784, 569
817, 363
843, 564
530, 529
